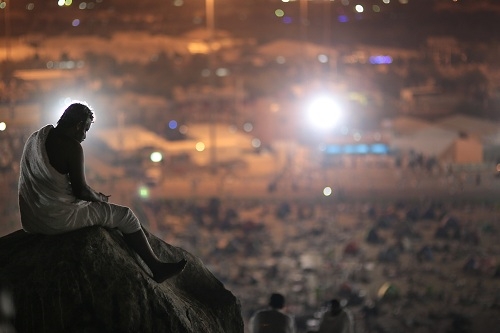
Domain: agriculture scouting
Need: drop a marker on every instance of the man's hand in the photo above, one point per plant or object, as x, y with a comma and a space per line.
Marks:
103, 197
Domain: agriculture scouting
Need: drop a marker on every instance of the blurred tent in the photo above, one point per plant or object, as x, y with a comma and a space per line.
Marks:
290, 49
474, 126
430, 141
404, 125
455, 139
464, 150
134, 139
444, 145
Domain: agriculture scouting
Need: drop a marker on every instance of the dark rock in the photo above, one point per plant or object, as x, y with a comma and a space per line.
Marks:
90, 281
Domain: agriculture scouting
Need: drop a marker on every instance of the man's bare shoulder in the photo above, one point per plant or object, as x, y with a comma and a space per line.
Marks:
59, 141
62, 150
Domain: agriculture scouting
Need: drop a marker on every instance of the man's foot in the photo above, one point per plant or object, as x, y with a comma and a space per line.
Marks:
168, 270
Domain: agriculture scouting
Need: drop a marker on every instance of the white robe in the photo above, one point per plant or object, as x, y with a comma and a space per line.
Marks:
46, 201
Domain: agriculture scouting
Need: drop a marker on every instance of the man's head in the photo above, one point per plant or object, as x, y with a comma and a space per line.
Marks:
76, 121
335, 306
75, 114
277, 301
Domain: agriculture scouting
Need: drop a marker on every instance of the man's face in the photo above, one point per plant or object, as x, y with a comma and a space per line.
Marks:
81, 130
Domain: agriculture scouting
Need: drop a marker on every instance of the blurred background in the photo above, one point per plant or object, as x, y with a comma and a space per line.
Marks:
269, 133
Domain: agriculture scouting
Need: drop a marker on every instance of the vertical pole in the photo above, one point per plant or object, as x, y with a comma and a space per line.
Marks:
7, 30
209, 4
303, 20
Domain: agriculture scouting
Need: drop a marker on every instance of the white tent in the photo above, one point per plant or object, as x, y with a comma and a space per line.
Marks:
430, 141
481, 128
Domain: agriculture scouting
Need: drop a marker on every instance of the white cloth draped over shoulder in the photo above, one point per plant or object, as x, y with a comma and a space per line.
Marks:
46, 201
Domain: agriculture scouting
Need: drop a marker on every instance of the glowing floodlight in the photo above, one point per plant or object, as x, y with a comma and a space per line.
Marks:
156, 156
324, 113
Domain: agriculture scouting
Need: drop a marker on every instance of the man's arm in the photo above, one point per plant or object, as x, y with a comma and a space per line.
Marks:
79, 185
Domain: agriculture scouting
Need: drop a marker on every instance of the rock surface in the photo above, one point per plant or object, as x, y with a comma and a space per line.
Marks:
90, 281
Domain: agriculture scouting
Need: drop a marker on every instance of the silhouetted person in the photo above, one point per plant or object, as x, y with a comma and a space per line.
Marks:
272, 319
55, 198
336, 319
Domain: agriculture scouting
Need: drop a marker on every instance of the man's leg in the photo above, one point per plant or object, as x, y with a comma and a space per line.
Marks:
161, 271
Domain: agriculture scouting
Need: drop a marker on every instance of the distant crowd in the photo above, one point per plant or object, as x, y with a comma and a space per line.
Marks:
370, 256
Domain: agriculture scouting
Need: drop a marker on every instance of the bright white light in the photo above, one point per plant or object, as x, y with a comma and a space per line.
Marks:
324, 113
327, 191
200, 146
359, 8
3, 126
156, 157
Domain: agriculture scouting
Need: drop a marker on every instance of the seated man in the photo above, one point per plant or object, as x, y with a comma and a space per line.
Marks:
272, 319
336, 320
54, 196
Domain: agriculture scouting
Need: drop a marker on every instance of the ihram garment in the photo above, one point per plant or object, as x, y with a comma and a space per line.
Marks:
271, 321
341, 322
46, 201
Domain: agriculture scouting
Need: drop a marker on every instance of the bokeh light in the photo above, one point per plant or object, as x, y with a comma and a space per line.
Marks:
3, 126
156, 157
183, 129
172, 124
343, 18
327, 191
248, 127
200, 146
256, 143
323, 58
280, 60
143, 192
324, 113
